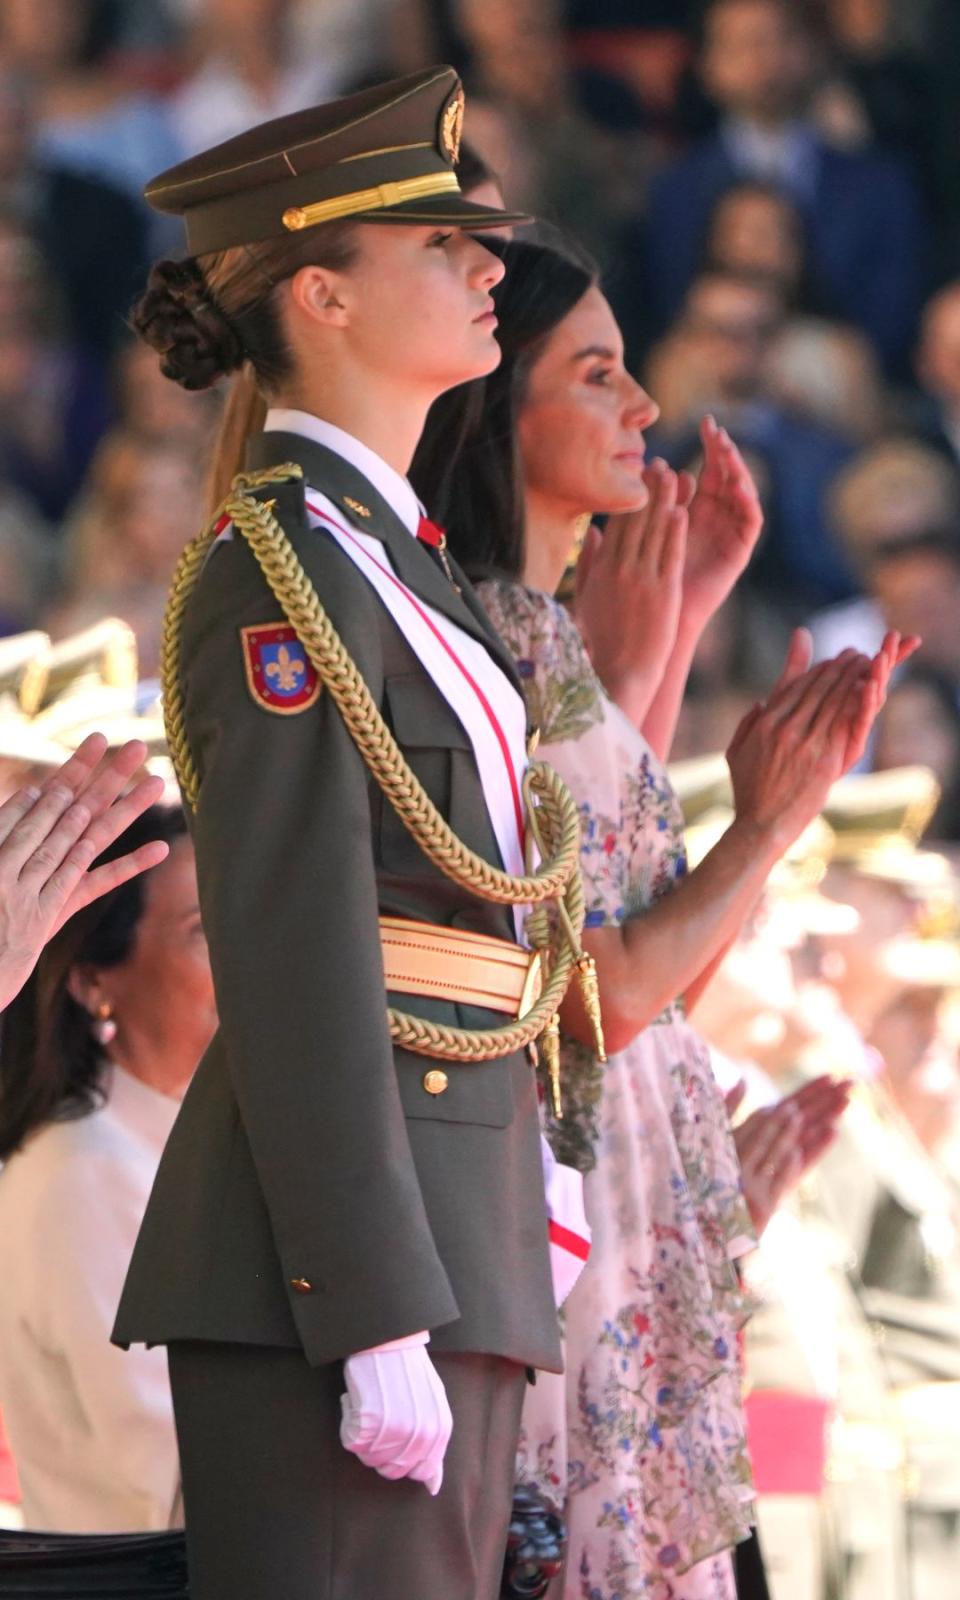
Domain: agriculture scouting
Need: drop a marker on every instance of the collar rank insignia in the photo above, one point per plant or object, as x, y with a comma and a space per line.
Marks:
355, 506
280, 675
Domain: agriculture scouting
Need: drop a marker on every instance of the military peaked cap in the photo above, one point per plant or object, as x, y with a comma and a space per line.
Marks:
388, 154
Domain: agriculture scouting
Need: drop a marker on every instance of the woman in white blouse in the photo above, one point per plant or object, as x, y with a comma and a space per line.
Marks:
97, 1052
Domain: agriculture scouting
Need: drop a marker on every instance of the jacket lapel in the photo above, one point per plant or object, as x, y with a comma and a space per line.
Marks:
348, 489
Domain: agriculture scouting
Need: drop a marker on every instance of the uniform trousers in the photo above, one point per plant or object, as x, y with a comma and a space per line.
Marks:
276, 1509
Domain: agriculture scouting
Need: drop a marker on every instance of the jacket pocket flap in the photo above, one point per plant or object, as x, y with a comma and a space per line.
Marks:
420, 717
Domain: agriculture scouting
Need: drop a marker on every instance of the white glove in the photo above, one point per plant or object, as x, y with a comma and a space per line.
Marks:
396, 1416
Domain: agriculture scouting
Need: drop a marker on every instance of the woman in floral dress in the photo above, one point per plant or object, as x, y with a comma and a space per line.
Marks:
644, 1436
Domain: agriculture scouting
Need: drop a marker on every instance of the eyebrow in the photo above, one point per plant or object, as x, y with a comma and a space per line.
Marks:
600, 350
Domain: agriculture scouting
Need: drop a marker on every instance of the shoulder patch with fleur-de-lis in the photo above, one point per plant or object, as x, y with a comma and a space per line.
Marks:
280, 675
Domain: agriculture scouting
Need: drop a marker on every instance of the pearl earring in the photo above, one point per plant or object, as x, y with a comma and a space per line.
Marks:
104, 1029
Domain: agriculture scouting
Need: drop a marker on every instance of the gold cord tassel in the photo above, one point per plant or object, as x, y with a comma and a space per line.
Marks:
590, 991
550, 1050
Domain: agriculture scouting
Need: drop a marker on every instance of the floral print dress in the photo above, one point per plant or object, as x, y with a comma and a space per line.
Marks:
643, 1438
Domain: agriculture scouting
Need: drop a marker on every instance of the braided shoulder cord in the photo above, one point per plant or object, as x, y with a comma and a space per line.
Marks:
556, 826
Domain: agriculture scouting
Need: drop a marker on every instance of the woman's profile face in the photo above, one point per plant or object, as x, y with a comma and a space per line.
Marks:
583, 416
418, 305
163, 991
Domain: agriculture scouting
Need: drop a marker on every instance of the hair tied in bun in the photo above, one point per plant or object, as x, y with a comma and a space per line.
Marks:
178, 318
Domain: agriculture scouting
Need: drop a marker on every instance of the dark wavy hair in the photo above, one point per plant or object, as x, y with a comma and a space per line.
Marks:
51, 1066
467, 468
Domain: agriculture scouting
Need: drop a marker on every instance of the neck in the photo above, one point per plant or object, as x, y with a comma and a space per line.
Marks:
387, 419
551, 529
162, 1064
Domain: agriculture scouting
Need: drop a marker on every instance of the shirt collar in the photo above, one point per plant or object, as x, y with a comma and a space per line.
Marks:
784, 155
397, 492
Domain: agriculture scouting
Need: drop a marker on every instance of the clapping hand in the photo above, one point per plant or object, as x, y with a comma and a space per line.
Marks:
51, 836
778, 1144
629, 590
789, 751
725, 520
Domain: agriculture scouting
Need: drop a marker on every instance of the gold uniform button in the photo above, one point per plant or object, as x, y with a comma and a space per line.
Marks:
435, 1082
301, 1285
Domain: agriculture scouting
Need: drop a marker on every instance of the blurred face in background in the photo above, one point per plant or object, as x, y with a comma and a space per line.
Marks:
757, 231
757, 60
583, 416
40, 35
938, 361
917, 729
156, 408
729, 327
919, 592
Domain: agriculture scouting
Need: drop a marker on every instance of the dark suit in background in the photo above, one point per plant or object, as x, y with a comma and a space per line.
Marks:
865, 232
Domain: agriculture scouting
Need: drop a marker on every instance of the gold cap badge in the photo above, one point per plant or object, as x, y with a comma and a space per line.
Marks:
451, 128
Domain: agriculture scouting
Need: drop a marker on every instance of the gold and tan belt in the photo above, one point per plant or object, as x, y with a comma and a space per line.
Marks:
449, 964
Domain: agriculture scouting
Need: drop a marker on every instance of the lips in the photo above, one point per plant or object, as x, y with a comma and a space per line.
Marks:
487, 315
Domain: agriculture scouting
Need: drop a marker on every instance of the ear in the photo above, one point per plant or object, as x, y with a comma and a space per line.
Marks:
85, 987
322, 295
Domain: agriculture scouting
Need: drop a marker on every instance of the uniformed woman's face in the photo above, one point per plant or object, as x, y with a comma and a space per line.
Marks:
583, 416
417, 305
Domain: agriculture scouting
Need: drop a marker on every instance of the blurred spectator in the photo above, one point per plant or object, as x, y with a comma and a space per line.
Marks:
879, 90
92, 237
896, 491
738, 656
54, 402
717, 359
823, 368
27, 563
920, 726
153, 407
246, 68
863, 215
136, 512
917, 586
99, 1048
938, 368
89, 116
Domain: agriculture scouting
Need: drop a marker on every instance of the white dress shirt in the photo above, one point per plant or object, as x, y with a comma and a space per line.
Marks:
90, 1426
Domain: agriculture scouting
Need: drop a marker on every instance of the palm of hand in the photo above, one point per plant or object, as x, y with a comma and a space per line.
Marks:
725, 521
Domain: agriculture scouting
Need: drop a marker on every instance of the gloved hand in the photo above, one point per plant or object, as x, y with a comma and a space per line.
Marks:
396, 1416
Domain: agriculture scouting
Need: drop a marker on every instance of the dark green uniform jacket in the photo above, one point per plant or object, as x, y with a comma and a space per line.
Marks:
312, 1192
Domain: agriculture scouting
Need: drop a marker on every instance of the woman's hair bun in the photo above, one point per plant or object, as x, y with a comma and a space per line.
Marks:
179, 318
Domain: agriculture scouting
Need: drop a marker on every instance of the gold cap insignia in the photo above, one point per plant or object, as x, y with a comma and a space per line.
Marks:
451, 127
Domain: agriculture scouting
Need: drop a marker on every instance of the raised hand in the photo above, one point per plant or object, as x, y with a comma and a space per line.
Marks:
779, 1143
49, 839
725, 521
787, 754
628, 595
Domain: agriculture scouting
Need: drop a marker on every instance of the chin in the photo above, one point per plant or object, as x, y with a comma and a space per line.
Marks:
624, 496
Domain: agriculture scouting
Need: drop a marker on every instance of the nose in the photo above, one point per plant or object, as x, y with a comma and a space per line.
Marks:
641, 410
486, 270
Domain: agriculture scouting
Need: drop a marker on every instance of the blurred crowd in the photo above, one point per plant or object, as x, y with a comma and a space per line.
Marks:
772, 190
769, 186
